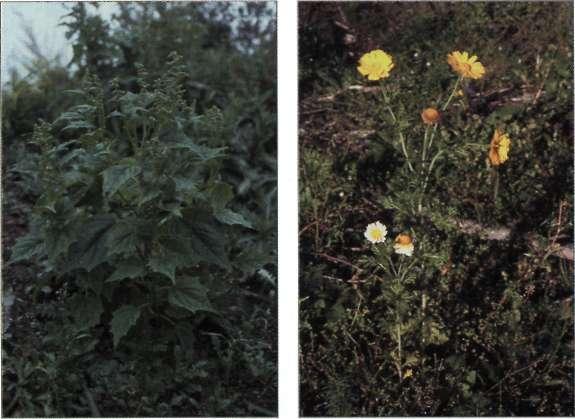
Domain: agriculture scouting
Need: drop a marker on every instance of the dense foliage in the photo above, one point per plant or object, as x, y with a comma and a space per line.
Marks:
480, 318
146, 283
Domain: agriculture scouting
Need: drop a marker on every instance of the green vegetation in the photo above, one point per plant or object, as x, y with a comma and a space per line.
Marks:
140, 218
479, 321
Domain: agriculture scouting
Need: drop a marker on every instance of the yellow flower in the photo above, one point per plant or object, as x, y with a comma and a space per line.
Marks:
375, 232
375, 65
466, 66
499, 148
403, 245
408, 373
430, 116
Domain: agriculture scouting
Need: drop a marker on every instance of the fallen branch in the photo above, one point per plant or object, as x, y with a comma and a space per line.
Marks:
353, 87
504, 233
340, 261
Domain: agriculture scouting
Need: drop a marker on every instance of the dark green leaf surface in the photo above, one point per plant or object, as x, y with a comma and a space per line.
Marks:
123, 320
190, 294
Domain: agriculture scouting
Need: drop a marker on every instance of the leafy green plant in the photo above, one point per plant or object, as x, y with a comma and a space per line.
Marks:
136, 223
134, 216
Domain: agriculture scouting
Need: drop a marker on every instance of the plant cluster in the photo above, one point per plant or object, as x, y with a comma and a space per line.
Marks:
149, 266
454, 317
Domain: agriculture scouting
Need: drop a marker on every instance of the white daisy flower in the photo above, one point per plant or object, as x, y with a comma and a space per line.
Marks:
375, 232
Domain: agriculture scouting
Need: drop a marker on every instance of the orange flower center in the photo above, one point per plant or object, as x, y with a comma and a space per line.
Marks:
466, 67
403, 239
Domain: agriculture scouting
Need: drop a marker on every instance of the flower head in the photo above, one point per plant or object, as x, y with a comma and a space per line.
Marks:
403, 245
375, 232
375, 65
465, 65
499, 148
430, 116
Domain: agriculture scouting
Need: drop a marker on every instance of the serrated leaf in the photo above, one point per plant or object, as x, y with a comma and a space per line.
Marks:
207, 242
78, 125
86, 310
229, 217
91, 249
185, 184
131, 268
175, 138
74, 92
220, 195
117, 176
27, 247
202, 152
163, 265
123, 238
190, 294
123, 319
59, 240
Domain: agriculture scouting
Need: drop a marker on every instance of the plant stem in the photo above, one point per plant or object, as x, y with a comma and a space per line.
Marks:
427, 145
402, 141
452, 93
443, 108
401, 137
399, 352
392, 266
432, 137
424, 153
496, 187
430, 168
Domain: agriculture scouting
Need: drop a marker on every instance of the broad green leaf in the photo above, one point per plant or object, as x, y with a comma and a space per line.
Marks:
27, 247
147, 195
60, 240
86, 310
174, 137
117, 176
131, 268
123, 319
190, 294
207, 242
79, 125
173, 254
229, 217
124, 237
91, 248
164, 265
202, 152
134, 105
220, 195
75, 92
174, 208
185, 184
